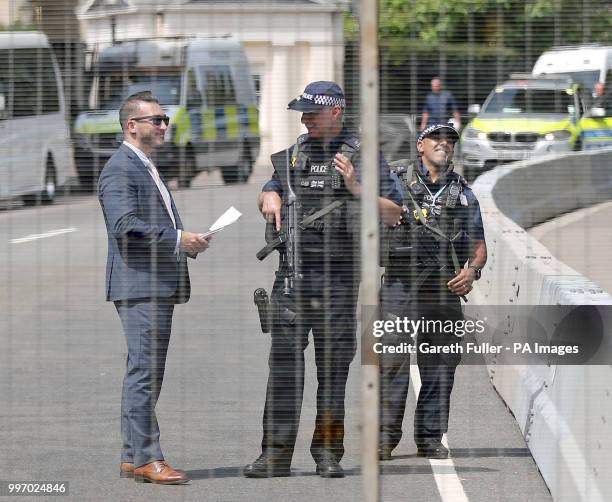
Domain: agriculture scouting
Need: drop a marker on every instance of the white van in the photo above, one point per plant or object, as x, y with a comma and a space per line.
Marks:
585, 64
203, 84
35, 152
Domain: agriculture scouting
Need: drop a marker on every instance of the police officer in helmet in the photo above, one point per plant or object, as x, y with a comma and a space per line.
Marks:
435, 254
322, 171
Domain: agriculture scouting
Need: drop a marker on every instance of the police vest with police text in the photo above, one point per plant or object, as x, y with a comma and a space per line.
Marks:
327, 213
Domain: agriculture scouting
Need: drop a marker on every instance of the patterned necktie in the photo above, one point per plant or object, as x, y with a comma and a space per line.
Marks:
162, 190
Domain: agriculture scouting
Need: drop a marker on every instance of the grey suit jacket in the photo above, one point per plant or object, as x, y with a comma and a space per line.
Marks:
141, 237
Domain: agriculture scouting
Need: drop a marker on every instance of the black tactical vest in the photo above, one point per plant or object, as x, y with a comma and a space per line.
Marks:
429, 220
327, 213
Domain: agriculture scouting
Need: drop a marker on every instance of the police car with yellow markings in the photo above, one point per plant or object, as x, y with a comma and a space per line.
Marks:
596, 129
525, 117
205, 87
590, 65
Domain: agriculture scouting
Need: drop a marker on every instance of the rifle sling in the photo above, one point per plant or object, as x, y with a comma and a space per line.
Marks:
437, 231
306, 222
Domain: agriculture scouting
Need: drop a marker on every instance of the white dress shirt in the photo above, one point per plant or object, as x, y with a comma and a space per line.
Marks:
163, 191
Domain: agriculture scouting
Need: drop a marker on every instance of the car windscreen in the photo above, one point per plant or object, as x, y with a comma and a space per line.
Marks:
540, 101
114, 88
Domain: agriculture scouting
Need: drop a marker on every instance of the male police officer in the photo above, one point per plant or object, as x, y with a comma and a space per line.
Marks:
440, 230
439, 104
321, 293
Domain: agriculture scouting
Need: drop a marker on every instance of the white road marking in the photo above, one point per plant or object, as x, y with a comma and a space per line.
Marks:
447, 480
51, 233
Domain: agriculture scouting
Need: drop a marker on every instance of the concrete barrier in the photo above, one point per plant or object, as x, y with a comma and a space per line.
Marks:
563, 411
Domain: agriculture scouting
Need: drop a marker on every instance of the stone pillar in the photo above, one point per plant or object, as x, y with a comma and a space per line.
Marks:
279, 92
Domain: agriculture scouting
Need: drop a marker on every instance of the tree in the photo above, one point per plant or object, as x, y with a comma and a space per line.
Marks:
473, 44
506, 25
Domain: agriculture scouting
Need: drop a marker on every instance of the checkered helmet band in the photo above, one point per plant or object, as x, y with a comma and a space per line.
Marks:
323, 99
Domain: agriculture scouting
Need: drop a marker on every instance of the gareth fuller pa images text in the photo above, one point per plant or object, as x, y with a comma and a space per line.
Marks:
404, 326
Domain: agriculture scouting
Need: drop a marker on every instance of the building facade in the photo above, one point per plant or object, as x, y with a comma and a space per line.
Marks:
15, 11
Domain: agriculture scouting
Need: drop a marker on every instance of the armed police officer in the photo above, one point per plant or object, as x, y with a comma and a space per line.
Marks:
312, 203
436, 252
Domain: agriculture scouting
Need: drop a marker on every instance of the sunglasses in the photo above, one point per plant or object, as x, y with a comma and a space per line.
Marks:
156, 120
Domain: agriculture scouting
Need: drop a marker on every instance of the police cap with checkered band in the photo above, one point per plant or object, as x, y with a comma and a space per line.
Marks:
318, 95
439, 130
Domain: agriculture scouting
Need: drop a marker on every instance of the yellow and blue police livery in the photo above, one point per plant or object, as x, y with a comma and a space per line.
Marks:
205, 87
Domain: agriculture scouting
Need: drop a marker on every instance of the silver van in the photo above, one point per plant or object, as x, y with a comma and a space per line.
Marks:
35, 153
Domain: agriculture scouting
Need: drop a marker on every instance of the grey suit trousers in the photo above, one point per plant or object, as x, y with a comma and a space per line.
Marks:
147, 323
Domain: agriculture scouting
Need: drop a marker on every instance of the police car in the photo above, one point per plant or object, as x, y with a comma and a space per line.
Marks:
524, 117
586, 64
204, 85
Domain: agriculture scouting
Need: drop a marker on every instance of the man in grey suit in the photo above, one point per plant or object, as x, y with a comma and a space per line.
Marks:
146, 275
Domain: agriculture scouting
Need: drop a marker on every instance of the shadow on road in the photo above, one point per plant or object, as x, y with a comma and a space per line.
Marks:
386, 469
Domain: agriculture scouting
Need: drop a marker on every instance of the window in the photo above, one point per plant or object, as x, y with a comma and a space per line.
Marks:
530, 101
35, 89
110, 91
257, 86
4, 85
586, 79
27, 83
218, 85
166, 88
113, 88
194, 98
51, 102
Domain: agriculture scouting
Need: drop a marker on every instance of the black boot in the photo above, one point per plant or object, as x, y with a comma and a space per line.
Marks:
267, 467
328, 467
434, 450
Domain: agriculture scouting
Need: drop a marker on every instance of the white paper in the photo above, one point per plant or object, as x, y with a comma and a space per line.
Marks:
227, 218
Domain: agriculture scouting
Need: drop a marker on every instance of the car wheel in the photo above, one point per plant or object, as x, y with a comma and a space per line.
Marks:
47, 195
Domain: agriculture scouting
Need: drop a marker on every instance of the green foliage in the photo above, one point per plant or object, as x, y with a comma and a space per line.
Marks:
506, 25
431, 21
17, 26
473, 44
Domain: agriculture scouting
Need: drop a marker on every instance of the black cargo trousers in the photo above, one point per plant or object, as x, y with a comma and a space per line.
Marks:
431, 302
324, 303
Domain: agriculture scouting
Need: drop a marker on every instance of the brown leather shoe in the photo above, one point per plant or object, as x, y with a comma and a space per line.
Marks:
126, 470
159, 472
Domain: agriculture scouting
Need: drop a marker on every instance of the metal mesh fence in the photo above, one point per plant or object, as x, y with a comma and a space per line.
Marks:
98, 235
